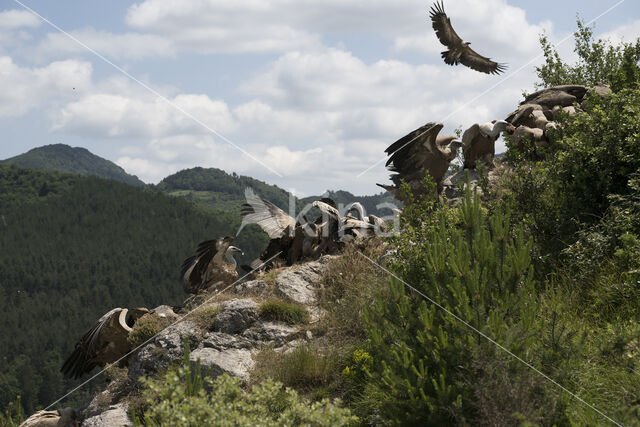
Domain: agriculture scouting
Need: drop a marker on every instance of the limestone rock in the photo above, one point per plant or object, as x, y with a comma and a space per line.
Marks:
236, 316
236, 362
271, 332
251, 287
297, 284
223, 341
116, 415
165, 348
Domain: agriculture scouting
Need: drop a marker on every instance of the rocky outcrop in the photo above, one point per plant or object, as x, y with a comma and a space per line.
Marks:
227, 345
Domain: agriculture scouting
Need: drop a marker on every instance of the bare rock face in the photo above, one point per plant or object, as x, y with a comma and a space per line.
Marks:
167, 347
236, 316
251, 287
236, 362
116, 415
297, 285
275, 333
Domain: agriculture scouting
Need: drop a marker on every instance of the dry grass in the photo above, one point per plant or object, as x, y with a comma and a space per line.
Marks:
349, 285
306, 368
146, 327
204, 315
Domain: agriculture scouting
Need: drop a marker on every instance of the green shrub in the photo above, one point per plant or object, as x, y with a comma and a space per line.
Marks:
424, 360
284, 311
184, 398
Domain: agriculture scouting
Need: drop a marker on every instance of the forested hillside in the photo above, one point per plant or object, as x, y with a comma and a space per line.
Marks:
74, 247
76, 160
216, 189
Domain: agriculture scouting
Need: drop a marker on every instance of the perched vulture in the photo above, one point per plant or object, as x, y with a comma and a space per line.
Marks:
459, 50
478, 142
106, 342
212, 264
418, 153
60, 418
356, 210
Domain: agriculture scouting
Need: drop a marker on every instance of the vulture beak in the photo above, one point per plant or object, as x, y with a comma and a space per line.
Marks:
236, 249
511, 128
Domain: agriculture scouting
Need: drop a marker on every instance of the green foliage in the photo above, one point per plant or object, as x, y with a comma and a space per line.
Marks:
476, 268
598, 62
86, 246
76, 160
145, 328
284, 311
12, 416
183, 397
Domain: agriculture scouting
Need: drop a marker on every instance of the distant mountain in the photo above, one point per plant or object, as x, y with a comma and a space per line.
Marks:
216, 189
75, 160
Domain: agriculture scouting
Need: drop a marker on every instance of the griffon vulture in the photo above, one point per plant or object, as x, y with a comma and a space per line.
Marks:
212, 264
106, 342
418, 153
478, 142
459, 50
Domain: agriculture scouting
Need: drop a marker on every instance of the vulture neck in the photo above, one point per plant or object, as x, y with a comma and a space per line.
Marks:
228, 256
357, 207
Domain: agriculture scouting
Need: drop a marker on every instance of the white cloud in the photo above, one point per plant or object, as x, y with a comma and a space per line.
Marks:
23, 89
117, 46
14, 19
118, 114
623, 33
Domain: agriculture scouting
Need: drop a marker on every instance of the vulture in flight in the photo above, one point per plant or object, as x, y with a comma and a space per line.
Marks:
212, 264
106, 342
459, 50
418, 153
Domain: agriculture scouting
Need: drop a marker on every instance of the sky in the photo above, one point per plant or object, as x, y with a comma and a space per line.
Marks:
298, 93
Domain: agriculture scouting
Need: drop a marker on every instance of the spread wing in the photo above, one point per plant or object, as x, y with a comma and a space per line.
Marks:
82, 359
442, 25
273, 220
208, 251
410, 152
477, 62
470, 134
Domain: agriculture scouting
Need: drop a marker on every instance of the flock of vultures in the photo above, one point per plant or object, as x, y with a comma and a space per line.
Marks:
412, 157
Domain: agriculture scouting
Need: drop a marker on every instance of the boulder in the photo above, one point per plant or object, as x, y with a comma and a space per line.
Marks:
236, 316
116, 415
166, 348
298, 284
277, 333
251, 287
236, 362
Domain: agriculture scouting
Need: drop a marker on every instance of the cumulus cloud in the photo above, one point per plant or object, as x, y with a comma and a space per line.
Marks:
118, 46
624, 33
23, 89
14, 19
121, 115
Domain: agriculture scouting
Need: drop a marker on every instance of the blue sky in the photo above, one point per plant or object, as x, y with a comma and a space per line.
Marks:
302, 94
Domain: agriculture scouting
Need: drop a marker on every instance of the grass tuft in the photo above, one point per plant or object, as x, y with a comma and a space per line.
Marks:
284, 311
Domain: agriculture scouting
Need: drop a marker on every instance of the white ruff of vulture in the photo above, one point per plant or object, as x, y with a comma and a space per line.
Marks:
459, 51
419, 153
104, 343
213, 264
478, 142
